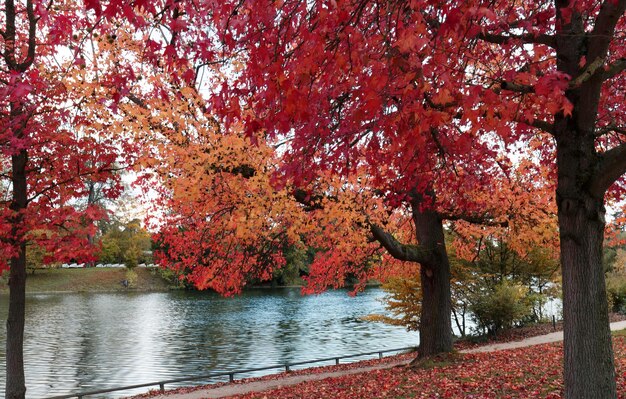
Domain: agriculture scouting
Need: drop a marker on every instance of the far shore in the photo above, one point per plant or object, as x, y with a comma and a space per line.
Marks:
113, 280
100, 280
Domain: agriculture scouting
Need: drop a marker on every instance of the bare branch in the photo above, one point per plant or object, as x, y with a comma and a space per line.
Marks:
547, 40
610, 128
615, 69
439, 107
539, 124
604, 27
137, 100
516, 87
611, 167
589, 71
310, 201
404, 252
543, 125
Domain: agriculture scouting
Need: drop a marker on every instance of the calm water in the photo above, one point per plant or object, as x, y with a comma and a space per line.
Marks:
77, 342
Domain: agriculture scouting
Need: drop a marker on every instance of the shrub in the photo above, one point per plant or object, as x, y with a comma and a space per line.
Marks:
403, 301
616, 291
500, 307
131, 278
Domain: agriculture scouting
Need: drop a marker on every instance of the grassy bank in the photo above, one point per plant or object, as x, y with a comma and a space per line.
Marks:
92, 280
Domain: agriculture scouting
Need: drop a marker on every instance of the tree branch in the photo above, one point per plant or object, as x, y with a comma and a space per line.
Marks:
409, 253
610, 128
611, 167
615, 69
604, 27
589, 71
539, 124
547, 40
312, 202
516, 87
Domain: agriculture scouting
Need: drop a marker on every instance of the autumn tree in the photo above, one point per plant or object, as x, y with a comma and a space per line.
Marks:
52, 146
281, 86
125, 243
346, 102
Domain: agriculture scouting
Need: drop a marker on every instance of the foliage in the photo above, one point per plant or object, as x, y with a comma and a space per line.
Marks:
129, 243
437, 86
35, 257
616, 290
501, 307
403, 301
498, 286
297, 262
131, 278
616, 281
520, 257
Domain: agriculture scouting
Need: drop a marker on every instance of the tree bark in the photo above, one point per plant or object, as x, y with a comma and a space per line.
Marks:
15, 382
584, 175
436, 317
589, 365
589, 370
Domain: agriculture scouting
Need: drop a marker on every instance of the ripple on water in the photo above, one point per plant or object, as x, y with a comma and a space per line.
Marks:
76, 342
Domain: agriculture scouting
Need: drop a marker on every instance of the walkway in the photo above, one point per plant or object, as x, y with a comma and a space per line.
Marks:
260, 386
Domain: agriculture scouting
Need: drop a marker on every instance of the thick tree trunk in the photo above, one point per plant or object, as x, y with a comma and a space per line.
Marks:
15, 382
435, 320
589, 366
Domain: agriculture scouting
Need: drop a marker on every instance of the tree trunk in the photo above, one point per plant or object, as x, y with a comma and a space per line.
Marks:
435, 320
15, 382
589, 366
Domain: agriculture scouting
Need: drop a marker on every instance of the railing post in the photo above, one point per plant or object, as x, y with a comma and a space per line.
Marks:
337, 360
231, 377
161, 387
380, 355
554, 322
287, 367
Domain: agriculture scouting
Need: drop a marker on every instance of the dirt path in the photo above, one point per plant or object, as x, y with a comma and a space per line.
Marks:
260, 386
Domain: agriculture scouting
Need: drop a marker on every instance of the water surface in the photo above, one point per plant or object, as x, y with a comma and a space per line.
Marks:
78, 342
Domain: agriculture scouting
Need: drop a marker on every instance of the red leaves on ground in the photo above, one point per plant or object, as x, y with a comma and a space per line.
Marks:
533, 372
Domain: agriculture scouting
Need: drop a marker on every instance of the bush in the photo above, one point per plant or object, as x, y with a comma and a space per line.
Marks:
500, 307
131, 278
616, 291
403, 301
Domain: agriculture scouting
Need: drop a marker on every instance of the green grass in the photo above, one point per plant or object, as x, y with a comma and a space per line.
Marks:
91, 280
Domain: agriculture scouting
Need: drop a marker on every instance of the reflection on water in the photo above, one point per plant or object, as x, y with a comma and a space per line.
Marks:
78, 342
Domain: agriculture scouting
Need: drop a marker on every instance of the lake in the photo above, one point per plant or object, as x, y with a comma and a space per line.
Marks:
78, 342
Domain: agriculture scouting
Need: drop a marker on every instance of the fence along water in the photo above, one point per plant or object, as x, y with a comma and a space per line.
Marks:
230, 374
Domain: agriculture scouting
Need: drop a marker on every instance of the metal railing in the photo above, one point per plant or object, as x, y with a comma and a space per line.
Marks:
230, 374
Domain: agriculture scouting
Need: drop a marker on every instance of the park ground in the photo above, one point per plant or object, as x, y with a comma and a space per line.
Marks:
533, 371
92, 280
